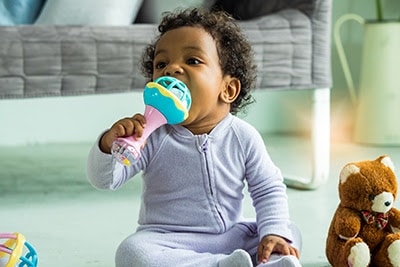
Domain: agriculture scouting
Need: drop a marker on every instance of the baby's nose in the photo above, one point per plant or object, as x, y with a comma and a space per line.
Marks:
388, 203
172, 69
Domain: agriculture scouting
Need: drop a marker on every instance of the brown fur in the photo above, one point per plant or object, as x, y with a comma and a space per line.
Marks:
356, 188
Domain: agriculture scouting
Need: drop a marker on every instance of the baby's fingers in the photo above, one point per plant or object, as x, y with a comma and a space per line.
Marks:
139, 122
129, 126
294, 252
140, 118
122, 128
264, 252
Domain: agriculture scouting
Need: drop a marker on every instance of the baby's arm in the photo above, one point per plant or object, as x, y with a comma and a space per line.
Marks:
274, 244
101, 170
122, 128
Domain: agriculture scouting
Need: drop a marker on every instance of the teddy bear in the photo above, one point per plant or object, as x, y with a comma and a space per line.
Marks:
365, 229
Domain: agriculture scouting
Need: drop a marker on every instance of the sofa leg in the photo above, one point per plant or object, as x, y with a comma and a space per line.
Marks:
320, 134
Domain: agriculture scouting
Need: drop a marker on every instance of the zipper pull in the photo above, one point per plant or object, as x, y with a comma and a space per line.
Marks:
204, 147
204, 144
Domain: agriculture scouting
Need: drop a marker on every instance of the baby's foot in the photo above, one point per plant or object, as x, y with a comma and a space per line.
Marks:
238, 258
281, 261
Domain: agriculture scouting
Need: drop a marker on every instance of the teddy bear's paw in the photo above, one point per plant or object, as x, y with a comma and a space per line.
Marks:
394, 253
359, 255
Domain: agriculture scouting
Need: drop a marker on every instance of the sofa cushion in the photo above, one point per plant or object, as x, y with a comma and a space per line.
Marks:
19, 11
43, 60
89, 12
283, 51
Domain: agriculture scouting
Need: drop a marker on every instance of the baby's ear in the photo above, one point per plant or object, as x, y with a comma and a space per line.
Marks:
231, 89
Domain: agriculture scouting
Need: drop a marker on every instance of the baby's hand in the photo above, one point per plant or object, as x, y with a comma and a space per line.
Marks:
274, 244
123, 128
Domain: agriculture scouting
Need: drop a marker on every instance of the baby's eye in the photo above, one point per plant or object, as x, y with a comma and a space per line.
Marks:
160, 65
193, 61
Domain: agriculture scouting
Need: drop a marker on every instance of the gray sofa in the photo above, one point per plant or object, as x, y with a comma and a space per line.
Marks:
291, 41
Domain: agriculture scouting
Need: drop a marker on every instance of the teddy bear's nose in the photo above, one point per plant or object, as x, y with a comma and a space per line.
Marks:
387, 203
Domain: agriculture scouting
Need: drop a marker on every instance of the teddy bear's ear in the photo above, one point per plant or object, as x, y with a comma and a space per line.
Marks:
387, 161
347, 171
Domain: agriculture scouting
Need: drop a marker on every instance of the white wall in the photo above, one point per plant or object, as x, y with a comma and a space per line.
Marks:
62, 119
83, 118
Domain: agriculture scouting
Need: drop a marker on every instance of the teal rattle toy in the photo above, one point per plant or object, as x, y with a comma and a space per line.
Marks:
167, 101
16, 251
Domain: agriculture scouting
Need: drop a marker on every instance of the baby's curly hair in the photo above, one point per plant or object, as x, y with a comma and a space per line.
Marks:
234, 50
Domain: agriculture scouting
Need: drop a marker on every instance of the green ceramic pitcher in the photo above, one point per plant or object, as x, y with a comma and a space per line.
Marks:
377, 100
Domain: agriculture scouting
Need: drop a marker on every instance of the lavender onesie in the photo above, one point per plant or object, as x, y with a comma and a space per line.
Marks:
191, 208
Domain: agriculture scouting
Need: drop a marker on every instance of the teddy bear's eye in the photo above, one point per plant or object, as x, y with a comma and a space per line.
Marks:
371, 197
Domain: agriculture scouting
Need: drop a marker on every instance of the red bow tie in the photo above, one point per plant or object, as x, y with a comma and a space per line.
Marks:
381, 219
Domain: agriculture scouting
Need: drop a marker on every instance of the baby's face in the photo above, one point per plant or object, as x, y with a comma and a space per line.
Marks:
190, 55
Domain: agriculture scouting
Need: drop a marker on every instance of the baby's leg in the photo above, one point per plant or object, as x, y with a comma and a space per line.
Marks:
146, 248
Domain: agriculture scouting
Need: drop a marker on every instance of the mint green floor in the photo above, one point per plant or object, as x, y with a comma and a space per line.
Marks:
44, 194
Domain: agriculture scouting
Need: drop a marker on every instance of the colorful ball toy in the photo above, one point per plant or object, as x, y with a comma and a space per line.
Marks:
16, 251
167, 101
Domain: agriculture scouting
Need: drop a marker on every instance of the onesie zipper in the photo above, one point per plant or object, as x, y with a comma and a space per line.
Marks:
205, 151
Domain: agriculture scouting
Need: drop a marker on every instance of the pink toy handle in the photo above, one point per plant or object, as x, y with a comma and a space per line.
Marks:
154, 119
127, 149
167, 100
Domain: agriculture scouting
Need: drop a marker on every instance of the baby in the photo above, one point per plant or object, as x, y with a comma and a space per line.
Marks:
194, 173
